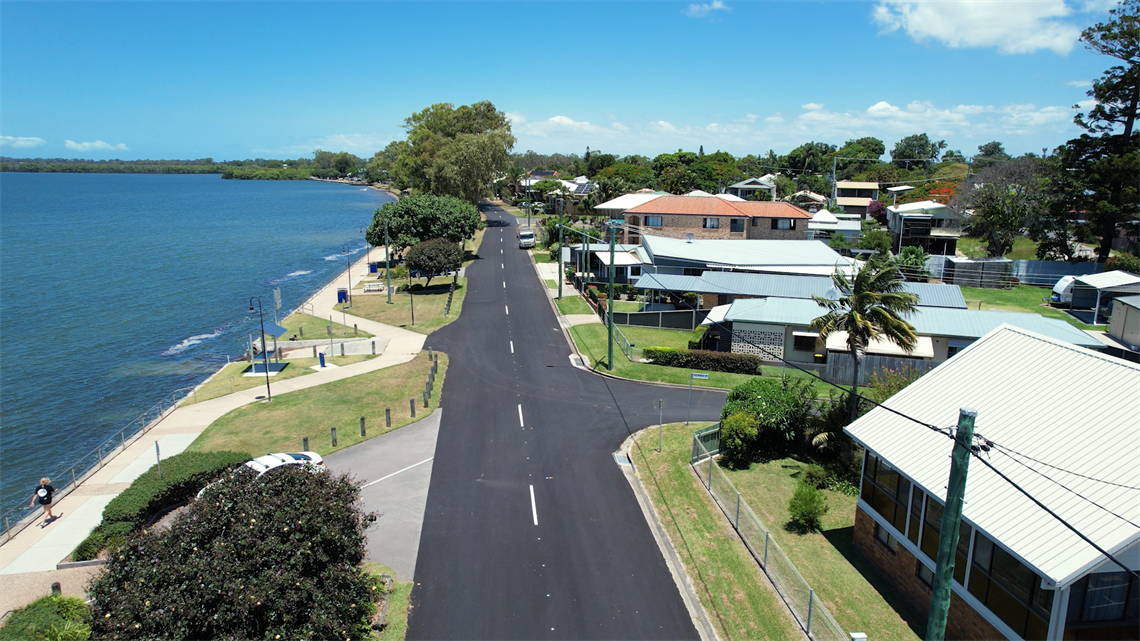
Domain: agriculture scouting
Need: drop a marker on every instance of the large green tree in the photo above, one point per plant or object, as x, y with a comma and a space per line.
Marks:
917, 149
421, 217
639, 176
1003, 198
871, 305
455, 151
434, 257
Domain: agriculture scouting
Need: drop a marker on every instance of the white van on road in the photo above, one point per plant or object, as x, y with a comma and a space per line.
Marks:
526, 237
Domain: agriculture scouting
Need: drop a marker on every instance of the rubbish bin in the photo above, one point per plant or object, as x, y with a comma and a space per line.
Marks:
342, 295
372, 268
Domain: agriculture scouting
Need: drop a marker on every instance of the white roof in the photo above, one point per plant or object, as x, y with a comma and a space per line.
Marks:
716, 314
924, 207
1065, 406
850, 184
1109, 280
825, 217
699, 193
628, 201
620, 258
810, 195
924, 348
730, 197
745, 254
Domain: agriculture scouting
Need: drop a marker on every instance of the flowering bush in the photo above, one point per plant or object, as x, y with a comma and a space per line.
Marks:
275, 557
780, 408
887, 382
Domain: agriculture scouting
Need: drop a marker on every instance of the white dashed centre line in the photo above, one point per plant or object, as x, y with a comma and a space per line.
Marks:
534, 510
520, 416
512, 347
508, 310
504, 284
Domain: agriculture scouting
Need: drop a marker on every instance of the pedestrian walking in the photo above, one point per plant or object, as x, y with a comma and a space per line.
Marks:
43, 494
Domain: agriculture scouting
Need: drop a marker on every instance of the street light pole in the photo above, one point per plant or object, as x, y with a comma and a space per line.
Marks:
348, 274
264, 353
610, 292
387, 266
561, 276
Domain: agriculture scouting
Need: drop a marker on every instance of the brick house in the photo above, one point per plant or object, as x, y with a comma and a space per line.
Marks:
713, 217
1060, 422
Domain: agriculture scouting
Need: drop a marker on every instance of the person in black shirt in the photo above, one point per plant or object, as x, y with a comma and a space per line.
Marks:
43, 495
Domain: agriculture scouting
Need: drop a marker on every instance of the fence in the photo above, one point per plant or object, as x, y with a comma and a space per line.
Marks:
1003, 273
69, 478
687, 319
808, 610
840, 366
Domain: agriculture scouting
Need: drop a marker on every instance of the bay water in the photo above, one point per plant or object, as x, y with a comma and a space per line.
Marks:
117, 289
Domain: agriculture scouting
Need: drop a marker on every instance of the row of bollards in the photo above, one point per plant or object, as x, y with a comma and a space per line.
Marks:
429, 386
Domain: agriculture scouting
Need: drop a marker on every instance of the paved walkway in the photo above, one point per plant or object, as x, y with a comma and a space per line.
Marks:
38, 549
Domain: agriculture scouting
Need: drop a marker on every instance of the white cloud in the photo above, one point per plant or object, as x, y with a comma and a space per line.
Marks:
363, 145
703, 10
1012, 27
812, 106
1079, 83
516, 118
619, 126
665, 125
775, 118
21, 142
748, 118
98, 145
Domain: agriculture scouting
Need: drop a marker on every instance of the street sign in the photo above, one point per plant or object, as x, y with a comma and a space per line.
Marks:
703, 377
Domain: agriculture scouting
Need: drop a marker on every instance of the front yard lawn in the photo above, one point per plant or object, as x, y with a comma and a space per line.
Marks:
1020, 298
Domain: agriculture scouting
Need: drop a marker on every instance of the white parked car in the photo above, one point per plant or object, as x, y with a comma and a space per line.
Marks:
262, 464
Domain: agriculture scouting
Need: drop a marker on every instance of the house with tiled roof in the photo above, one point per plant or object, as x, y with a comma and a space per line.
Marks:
716, 218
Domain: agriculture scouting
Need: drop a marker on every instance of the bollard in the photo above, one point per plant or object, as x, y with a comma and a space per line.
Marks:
304, 443
354, 330
412, 406
322, 356
429, 354
362, 433
302, 330
388, 417
425, 398
333, 429
342, 349
427, 390
373, 348
314, 351
56, 590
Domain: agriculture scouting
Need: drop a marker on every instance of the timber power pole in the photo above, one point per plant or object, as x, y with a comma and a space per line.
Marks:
951, 526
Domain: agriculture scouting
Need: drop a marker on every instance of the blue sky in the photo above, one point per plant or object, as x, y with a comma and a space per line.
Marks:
235, 80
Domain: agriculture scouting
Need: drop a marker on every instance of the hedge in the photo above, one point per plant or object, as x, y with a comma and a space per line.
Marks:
703, 360
183, 475
48, 617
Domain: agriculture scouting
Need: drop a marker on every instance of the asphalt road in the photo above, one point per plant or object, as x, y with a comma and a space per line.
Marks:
531, 531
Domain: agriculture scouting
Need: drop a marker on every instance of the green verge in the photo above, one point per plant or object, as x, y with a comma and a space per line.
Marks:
280, 425
1020, 298
231, 378
541, 256
551, 283
313, 327
396, 625
728, 581
573, 305
592, 342
858, 596
429, 305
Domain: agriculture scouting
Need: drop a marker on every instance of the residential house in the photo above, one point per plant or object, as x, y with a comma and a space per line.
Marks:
714, 217
808, 200
780, 328
930, 225
1054, 473
745, 188
854, 197
824, 226
663, 255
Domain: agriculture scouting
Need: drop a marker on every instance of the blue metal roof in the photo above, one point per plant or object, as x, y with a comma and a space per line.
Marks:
927, 321
786, 286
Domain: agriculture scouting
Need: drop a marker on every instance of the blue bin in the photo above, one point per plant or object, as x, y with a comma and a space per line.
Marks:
372, 268
342, 295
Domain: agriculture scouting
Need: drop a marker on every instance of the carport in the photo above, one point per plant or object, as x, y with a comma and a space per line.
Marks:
1095, 290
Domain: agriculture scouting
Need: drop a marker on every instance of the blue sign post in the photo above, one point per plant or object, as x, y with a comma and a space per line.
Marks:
703, 377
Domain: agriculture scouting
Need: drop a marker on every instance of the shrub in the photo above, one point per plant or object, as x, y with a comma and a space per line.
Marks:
807, 507
182, 476
434, 257
815, 476
399, 271
104, 535
738, 438
782, 408
554, 250
703, 360
48, 617
1123, 261
264, 557
696, 336
887, 381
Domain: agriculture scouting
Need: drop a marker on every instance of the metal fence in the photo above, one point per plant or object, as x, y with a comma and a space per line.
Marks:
66, 479
805, 606
685, 319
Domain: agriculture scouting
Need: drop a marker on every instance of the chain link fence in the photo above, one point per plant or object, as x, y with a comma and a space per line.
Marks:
805, 606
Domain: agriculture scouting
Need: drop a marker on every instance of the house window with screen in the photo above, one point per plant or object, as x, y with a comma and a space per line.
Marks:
736, 224
1105, 605
635, 271
652, 221
804, 341
783, 223
886, 491
712, 223
1010, 590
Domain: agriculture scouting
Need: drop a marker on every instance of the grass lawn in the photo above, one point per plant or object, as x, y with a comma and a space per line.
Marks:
1021, 298
396, 625
858, 596
551, 283
573, 305
542, 256
229, 379
1023, 248
728, 581
279, 426
429, 306
591, 340
626, 306
310, 327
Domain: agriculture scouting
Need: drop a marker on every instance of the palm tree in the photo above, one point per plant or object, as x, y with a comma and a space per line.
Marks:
870, 306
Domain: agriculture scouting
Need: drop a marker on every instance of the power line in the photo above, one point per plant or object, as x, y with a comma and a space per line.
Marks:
1008, 452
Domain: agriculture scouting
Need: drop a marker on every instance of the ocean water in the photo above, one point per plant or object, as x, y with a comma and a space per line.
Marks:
116, 290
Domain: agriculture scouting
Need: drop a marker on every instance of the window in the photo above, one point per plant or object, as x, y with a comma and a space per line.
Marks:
925, 574
635, 271
690, 271
885, 491
1009, 589
783, 223
712, 223
652, 221
1103, 606
884, 537
804, 341
736, 224
755, 222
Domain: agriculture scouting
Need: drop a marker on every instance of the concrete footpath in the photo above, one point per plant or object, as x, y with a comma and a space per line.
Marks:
28, 560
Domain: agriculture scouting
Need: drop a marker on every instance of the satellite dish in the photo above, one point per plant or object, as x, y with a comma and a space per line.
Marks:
689, 237
832, 293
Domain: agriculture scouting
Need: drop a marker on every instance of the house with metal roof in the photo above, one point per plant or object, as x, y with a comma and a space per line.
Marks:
716, 217
1096, 290
855, 197
749, 186
694, 256
721, 288
780, 328
931, 225
1060, 424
